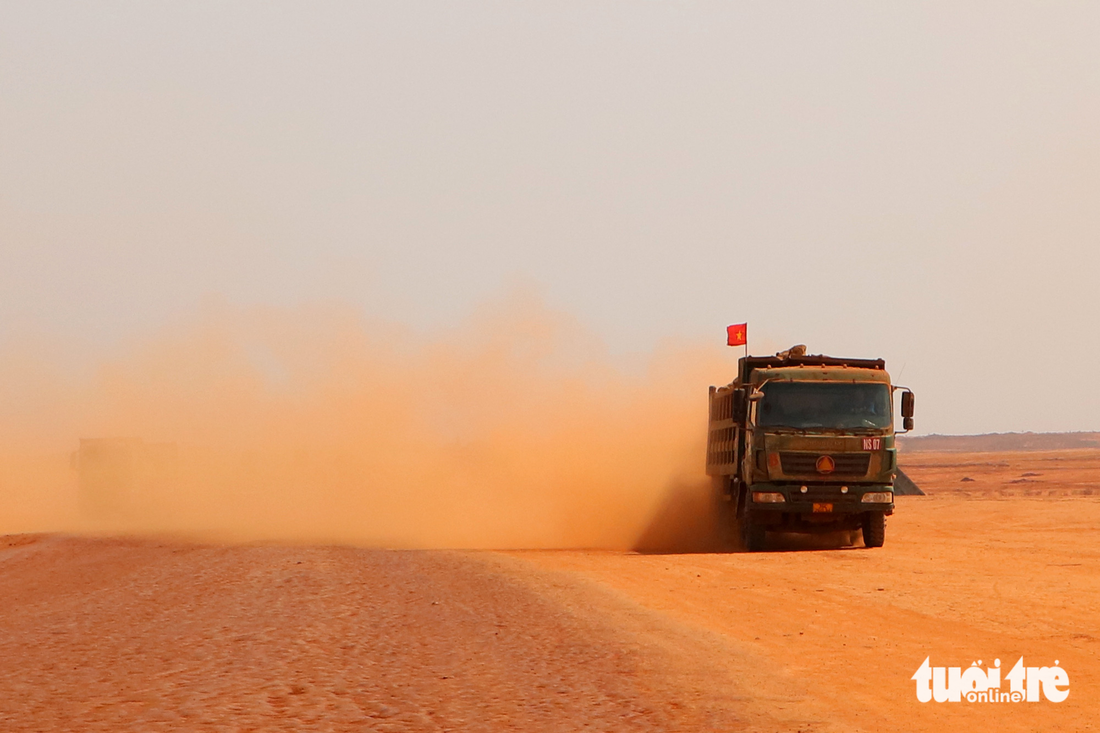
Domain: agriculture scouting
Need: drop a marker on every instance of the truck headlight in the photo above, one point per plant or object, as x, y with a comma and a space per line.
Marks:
768, 497
878, 497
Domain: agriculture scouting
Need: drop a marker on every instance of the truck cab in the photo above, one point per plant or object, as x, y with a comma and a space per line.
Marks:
803, 443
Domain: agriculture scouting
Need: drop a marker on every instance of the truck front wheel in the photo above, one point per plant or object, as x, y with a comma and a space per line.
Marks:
874, 529
753, 536
723, 510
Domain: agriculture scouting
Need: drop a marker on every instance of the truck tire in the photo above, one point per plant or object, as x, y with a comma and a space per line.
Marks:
874, 529
750, 534
753, 536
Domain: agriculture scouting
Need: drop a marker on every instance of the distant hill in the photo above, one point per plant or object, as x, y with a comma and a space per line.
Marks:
993, 442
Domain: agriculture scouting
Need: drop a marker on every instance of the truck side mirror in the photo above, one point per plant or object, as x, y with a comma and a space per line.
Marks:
756, 396
907, 423
907, 405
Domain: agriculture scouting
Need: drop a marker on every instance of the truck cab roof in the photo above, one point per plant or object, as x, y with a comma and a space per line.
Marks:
749, 364
819, 374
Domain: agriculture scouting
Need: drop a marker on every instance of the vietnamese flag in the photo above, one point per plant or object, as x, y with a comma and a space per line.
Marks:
737, 334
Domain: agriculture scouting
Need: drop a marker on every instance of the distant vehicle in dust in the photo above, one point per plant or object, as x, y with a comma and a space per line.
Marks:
116, 476
802, 443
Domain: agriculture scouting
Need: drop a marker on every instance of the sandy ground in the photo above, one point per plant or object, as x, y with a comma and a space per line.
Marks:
1064, 473
112, 635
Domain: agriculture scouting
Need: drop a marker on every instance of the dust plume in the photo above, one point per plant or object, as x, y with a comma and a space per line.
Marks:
312, 424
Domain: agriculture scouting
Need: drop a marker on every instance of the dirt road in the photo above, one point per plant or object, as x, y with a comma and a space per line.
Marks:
134, 635
844, 630
111, 635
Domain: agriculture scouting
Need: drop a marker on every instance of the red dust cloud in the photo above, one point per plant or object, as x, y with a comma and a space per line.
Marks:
314, 425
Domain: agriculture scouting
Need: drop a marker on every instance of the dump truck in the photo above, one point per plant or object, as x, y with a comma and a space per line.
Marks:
805, 443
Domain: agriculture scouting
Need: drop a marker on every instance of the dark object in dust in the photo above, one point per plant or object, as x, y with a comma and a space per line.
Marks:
1029, 474
904, 486
967, 480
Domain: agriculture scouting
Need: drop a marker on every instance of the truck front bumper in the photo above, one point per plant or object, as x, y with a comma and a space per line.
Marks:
823, 500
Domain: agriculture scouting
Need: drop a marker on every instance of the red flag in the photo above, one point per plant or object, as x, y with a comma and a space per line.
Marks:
737, 334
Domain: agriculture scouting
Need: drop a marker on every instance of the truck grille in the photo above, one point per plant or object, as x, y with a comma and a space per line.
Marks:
847, 464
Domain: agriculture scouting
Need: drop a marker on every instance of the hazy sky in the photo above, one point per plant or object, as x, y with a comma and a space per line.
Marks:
914, 181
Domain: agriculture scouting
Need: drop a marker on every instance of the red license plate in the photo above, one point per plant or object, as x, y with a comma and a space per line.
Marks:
822, 508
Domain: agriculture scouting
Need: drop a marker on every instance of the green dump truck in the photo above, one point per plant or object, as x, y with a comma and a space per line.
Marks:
804, 443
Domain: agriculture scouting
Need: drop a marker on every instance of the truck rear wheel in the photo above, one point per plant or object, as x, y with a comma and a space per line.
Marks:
874, 529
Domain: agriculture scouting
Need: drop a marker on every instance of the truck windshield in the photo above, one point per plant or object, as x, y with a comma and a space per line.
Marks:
808, 405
